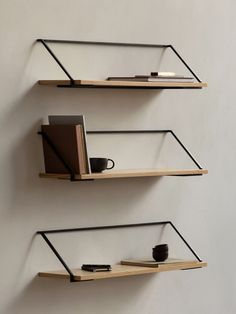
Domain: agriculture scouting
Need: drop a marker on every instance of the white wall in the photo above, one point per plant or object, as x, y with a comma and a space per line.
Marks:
203, 208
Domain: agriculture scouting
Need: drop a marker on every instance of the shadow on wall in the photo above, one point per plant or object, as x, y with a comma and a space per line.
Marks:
51, 296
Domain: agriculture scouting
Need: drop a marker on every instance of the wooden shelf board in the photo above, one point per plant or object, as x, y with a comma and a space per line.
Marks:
124, 84
119, 271
126, 174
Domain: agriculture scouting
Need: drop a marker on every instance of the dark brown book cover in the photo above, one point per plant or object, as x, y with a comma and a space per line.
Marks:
68, 140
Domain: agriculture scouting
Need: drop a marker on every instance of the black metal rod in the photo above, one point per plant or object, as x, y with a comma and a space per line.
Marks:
127, 131
58, 154
103, 43
57, 60
124, 87
188, 67
104, 227
185, 149
185, 241
71, 171
149, 131
121, 44
72, 278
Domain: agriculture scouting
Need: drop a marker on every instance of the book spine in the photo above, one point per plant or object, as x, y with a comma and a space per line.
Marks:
86, 147
80, 150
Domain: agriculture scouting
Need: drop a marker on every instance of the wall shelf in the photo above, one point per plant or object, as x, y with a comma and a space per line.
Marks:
120, 271
75, 275
80, 83
122, 84
134, 173
78, 275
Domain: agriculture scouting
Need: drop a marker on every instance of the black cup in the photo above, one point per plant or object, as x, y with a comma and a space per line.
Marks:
160, 252
100, 164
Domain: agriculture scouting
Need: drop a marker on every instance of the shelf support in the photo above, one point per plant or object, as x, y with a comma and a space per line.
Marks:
120, 44
70, 272
58, 154
152, 131
186, 65
73, 174
72, 82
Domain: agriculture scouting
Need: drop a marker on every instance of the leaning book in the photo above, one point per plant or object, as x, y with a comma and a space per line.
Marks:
73, 120
69, 143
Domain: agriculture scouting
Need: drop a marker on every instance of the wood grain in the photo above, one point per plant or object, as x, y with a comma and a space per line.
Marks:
133, 173
118, 271
99, 83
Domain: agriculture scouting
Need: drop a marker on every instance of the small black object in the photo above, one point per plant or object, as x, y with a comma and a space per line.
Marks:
100, 164
96, 267
160, 252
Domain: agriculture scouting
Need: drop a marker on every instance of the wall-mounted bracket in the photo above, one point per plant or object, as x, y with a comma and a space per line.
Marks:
70, 169
68, 269
120, 44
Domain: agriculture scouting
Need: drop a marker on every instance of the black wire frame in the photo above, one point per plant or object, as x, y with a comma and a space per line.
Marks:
71, 171
68, 269
104, 43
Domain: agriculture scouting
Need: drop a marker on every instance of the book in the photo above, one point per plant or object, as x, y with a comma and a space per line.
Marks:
171, 79
153, 74
152, 263
158, 74
68, 140
96, 267
73, 120
144, 78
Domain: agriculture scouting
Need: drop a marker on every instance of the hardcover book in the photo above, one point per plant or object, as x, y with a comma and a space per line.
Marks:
152, 263
73, 120
69, 142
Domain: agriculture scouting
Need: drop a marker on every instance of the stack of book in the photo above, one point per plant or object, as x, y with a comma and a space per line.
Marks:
171, 262
154, 77
68, 136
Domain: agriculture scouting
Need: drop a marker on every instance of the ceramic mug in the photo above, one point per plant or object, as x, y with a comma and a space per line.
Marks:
160, 252
100, 164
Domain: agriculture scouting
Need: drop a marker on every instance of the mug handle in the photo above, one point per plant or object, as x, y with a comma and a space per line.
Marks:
113, 164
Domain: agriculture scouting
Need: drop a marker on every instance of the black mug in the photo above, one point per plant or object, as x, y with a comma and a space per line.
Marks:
100, 164
160, 252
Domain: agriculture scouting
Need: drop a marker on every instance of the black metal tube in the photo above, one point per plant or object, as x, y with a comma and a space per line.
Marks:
70, 170
57, 60
121, 44
185, 241
185, 149
124, 87
44, 232
149, 131
126, 131
103, 43
104, 227
58, 154
178, 55
58, 256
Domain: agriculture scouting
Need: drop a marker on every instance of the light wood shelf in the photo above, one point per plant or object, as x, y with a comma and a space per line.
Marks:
119, 271
134, 173
121, 84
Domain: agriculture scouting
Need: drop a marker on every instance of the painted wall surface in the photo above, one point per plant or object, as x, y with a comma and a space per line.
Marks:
203, 208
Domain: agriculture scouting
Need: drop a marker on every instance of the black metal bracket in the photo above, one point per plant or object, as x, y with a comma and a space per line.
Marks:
70, 272
71, 171
120, 44
150, 132
59, 155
